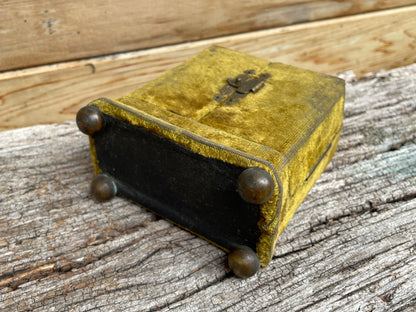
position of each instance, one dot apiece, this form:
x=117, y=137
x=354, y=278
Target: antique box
x=225, y=145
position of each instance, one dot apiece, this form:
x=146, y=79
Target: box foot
x=103, y=187
x=244, y=262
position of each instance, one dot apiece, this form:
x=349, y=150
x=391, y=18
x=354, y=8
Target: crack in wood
x=399, y=199
x=184, y=296
x=358, y=289
x=368, y=206
x=100, y=293
x=141, y=261
x=28, y=275
x=14, y=279
x=289, y=253
x=315, y=302
x=359, y=262
x=388, y=297
x=398, y=145
x=410, y=304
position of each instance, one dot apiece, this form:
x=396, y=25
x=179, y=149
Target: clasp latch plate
x=238, y=87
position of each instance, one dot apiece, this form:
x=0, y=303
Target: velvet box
x=225, y=145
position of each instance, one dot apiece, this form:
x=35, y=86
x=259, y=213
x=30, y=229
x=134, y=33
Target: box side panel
x=302, y=171
x=308, y=162
x=193, y=191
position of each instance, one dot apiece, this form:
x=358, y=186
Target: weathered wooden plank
x=361, y=43
x=350, y=247
x=43, y=32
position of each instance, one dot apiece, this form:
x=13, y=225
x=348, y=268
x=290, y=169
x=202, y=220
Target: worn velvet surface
x=290, y=127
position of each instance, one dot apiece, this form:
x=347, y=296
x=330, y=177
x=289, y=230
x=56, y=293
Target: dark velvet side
x=196, y=192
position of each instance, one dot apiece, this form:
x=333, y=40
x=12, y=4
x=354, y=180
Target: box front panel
x=195, y=192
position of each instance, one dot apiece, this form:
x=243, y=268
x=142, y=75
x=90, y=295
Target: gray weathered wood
x=350, y=247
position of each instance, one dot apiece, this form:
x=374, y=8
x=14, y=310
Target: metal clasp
x=240, y=86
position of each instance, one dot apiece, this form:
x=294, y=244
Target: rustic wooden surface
x=350, y=247
x=46, y=31
x=363, y=43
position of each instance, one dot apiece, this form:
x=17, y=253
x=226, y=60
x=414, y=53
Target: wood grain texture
x=350, y=247
x=364, y=43
x=44, y=32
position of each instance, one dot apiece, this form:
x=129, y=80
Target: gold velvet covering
x=290, y=127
